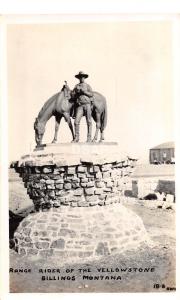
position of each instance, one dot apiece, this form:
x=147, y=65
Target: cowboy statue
x=83, y=95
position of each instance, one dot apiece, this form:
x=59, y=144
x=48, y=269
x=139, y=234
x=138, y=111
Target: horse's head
x=39, y=131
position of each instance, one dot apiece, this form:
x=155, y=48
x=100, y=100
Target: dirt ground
x=127, y=269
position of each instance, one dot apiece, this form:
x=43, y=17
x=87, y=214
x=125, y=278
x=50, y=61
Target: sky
x=130, y=63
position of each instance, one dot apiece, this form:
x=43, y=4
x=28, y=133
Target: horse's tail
x=104, y=117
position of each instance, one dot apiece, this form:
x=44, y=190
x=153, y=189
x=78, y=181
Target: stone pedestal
x=76, y=190
x=75, y=175
x=80, y=232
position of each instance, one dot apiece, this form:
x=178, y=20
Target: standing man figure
x=83, y=95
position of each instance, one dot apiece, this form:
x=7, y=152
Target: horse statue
x=61, y=105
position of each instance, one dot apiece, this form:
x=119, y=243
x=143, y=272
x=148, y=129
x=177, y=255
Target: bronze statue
x=62, y=105
x=83, y=95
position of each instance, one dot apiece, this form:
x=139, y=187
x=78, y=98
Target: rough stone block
x=58, y=193
x=83, y=184
x=83, y=203
x=52, y=194
x=78, y=192
x=46, y=177
x=90, y=175
x=67, y=186
x=59, y=186
x=93, y=203
x=57, y=204
x=93, y=198
x=54, y=228
x=25, y=223
x=28, y=239
x=96, y=169
x=75, y=185
x=101, y=202
x=74, y=204
x=67, y=232
x=64, y=225
x=49, y=181
x=51, y=187
x=102, y=197
x=109, y=184
x=82, y=243
x=106, y=174
x=42, y=180
x=37, y=185
x=75, y=179
x=106, y=167
x=107, y=190
x=46, y=253
x=68, y=179
x=55, y=177
x=42, y=245
x=98, y=191
x=91, y=169
x=59, y=180
x=81, y=175
x=89, y=191
x=81, y=169
x=65, y=202
x=56, y=171
x=87, y=235
x=84, y=180
x=27, y=231
x=98, y=175
x=108, y=201
x=41, y=226
x=43, y=221
x=100, y=184
x=71, y=171
x=29, y=245
x=22, y=251
x=47, y=170
x=32, y=251
x=90, y=184
x=59, y=244
x=83, y=254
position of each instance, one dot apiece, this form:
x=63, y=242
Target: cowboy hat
x=81, y=74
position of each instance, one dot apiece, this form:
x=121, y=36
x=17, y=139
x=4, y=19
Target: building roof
x=164, y=146
x=148, y=170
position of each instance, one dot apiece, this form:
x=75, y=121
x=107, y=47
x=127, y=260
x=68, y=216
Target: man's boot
x=89, y=133
x=76, y=140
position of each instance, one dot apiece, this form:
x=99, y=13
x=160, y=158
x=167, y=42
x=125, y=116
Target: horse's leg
x=98, y=125
x=58, y=120
x=68, y=120
x=102, y=136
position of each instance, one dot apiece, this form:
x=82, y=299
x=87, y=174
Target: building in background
x=150, y=178
x=162, y=154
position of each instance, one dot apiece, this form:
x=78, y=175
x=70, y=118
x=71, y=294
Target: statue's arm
x=89, y=91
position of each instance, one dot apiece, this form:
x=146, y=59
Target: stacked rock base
x=79, y=180
x=80, y=232
x=76, y=190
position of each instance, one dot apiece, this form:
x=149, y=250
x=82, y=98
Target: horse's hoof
x=54, y=142
x=94, y=141
x=75, y=141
